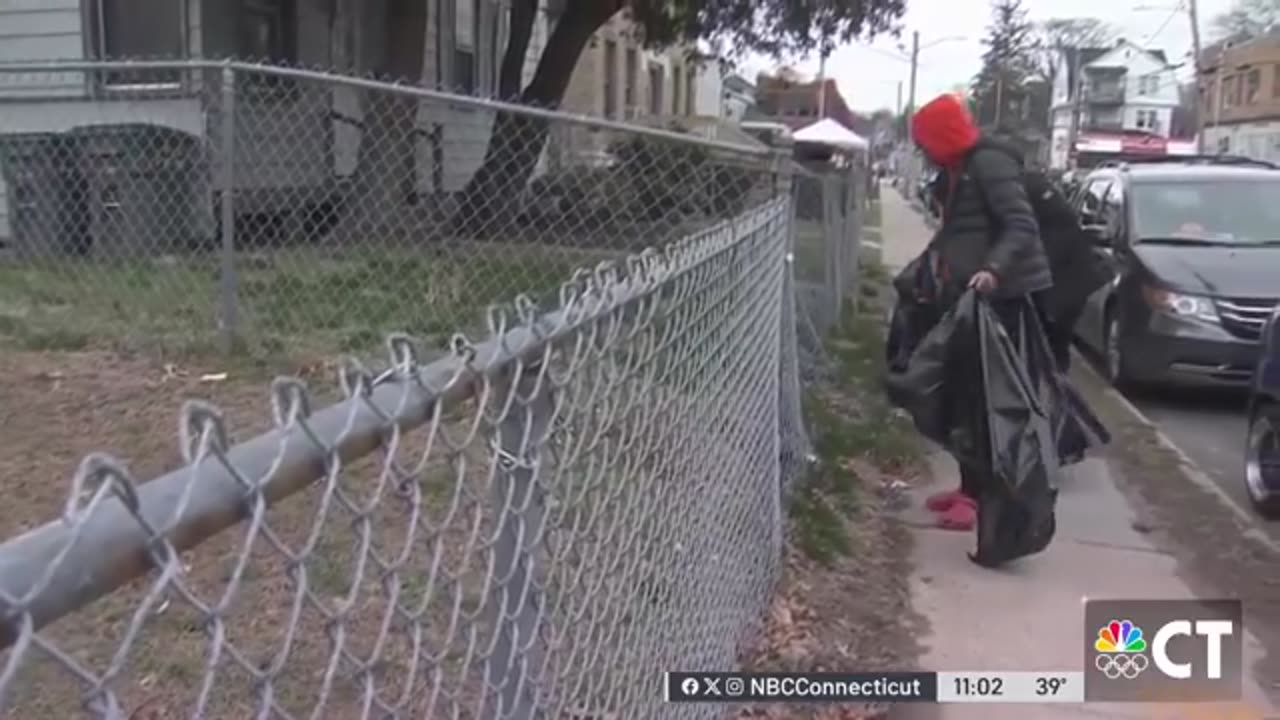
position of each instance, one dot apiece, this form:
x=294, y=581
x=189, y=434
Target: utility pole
x=1194, y=15
x=898, y=108
x=915, y=58
x=1075, y=86
x=822, y=84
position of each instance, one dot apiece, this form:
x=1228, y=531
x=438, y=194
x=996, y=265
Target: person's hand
x=983, y=281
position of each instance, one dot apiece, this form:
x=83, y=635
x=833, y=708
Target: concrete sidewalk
x=1030, y=615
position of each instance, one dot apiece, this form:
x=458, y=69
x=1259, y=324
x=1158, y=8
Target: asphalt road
x=1210, y=429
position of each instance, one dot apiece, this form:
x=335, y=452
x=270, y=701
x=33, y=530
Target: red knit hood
x=944, y=130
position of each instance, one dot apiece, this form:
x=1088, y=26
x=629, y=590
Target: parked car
x=1262, y=445
x=1196, y=244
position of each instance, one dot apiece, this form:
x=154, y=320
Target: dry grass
x=59, y=407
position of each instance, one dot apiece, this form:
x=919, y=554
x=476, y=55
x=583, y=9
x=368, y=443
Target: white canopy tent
x=830, y=132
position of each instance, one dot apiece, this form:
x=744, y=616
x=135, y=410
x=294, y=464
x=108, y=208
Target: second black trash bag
x=1018, y=386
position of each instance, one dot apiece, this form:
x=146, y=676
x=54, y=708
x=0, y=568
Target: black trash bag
x=920, y=369
x=1019, y=386
x=924, y=350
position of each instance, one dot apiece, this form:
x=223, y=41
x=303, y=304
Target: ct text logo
x=1194, y=654
x=1120, y=646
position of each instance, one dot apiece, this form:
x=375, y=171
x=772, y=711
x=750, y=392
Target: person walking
x=988, y=240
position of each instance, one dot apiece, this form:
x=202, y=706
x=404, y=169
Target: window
x=1091, y=201
x=1235, y=212
x=655, y=88
x=138, y=29
x=676, y=86
x=690, y=89
x=267, y=32
x=1113, y=208
x=1147, y=120
x=610, y=73
x=629, y=83
x=1253, y=86
x=1231, y=91
x=464, y=45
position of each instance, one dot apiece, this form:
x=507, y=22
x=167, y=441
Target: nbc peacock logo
x=1120, y=647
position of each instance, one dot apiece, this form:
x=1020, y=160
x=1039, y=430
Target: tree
x=1057, y=34
x=1246, y=19
x=731, y=28
x=1009, y=60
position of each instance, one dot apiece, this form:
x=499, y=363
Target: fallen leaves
x=853, y=616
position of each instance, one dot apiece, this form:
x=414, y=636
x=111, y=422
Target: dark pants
x=1061, y=332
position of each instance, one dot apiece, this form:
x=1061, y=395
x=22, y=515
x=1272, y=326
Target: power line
x=1168, y=19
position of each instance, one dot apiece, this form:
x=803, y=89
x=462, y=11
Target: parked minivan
x=1196, y=243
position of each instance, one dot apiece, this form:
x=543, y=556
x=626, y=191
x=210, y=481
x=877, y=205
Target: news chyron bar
x=890, y=687
x=802, y=687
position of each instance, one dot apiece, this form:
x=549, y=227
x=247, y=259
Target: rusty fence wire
x=569, y=408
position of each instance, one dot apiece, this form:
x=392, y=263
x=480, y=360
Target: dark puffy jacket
x=1078, y=268
x=989, y=223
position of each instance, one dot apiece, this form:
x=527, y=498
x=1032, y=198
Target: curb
x=1190, y=470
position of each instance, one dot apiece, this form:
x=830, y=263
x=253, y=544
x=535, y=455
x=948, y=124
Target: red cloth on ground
x=941, y=502
x=962, y=515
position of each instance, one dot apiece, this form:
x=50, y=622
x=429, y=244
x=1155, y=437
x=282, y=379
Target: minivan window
x=1231, y=212
x=1091, y=200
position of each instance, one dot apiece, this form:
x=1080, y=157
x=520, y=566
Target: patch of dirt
x=1215, y=555
x=844, y=601
x=852, y=615
x=316, y=605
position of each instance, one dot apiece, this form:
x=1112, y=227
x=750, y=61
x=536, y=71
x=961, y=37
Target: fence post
x=514, y=604
x=832, y=229
x=857, y=208
x=228, y=315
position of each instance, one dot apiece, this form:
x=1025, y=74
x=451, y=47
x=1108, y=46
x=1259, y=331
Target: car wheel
x=1262, y=461
x=1112, y=354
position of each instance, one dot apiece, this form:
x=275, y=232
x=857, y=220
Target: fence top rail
x=365, y=83
x=113, y=527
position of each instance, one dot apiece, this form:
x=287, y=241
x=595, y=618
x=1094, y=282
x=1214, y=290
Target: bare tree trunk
x=517, y=140
x=384, y=175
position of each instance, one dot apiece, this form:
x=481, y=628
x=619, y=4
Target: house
x=1240, y=102
x=618, y=79
x=313, y=129
x=739, y=97
x=1123, y=98
x=797, y=103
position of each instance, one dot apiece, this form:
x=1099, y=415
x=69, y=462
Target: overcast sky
x=950, y=40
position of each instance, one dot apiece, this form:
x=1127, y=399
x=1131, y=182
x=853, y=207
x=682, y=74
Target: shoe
x=942, y=502
x=961, y=516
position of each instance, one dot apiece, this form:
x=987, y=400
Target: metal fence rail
x=532, y=525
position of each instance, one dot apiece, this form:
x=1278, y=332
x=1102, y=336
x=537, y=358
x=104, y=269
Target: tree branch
x=570, y=35
x=523, y=15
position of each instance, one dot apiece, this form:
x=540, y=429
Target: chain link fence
x=564, y=472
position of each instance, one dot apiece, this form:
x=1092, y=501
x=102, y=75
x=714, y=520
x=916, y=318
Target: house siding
x=286, y=142
x=283, y=140
x=40, y=30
